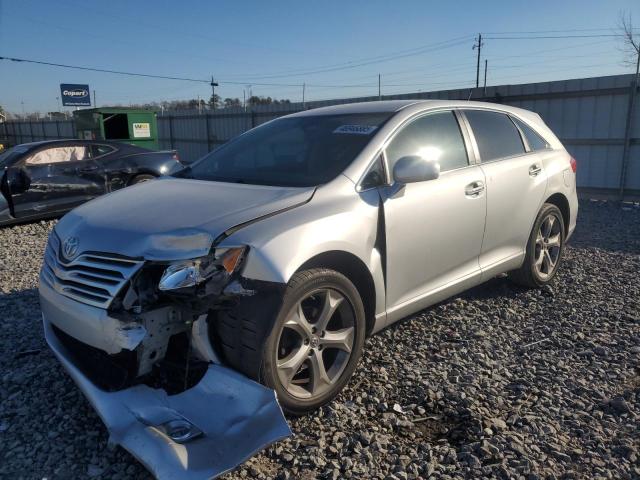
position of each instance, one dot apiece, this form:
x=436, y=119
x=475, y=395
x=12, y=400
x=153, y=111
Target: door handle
x=534, y=170
x=88, y=169
x=474, y=189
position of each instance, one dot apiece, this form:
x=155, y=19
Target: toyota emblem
x=70, y=247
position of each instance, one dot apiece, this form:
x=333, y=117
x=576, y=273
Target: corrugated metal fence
x=589, y=115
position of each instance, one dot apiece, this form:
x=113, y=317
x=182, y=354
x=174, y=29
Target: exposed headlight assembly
x=192, y=272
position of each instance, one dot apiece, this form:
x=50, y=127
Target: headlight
x=192, y=272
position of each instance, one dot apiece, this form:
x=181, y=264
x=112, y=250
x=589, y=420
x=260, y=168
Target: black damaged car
x=46, y=179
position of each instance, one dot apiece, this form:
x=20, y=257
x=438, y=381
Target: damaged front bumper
x=200, y=433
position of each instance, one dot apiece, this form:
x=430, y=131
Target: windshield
x=7, y=156
x=291, y=152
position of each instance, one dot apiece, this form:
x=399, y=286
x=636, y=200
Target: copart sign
x=74, y=95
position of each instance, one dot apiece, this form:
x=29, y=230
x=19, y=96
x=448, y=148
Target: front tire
x=316, y=340
x=544, y=249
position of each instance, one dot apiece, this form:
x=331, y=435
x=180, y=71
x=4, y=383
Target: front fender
x=337, y=220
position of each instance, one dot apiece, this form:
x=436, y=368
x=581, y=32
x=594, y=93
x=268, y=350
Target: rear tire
x=143, y=177
x=544, y=249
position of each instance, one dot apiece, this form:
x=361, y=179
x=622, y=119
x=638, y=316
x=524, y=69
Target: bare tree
x=631, y=41
x=631, y=45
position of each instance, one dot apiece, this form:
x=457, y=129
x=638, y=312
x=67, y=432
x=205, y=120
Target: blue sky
x=337, y=48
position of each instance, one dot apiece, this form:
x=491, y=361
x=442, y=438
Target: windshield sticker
x=356, y=129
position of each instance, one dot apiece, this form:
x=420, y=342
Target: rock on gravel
x=499, y=382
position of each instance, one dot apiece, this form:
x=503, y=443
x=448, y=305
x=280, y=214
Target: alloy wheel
x=548, y=246
x=315, y=343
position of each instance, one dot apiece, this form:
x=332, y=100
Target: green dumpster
x=129, y=125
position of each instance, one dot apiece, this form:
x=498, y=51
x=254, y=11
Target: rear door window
x=68, y=153
x=534, y=139
x=496, y=135
x=435, y=136
x=100, y=150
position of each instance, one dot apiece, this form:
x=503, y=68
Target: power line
x=445, y=69
x=538, y=37
x=368, y=61
x=168, y=77
x=103, y=70
x=139, y=74
x=340, y=66
x=335, y=67
x=439, y=65
x=468, y=68
x=425, y=49
x=551, y=31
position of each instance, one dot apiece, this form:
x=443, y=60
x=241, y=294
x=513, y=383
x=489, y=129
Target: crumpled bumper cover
x=235, y=418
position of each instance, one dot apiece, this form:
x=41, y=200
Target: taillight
x=574, y=165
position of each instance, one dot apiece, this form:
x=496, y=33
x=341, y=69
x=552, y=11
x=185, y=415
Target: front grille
x=93, y=278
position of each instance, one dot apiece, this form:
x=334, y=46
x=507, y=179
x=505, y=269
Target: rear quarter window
x=496, y=135
x=534, y=139
x=100, y=150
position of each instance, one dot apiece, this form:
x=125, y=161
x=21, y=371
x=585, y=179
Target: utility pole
x=628, y=128
x=249, y=95
x=485, y=78
x=304, y=87
x=94, y=99
x=479, y=47
x=379, y=90
x=213, y=92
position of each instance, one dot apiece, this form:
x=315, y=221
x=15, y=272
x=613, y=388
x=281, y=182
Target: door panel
x=58, y=184
x=516, y=183
x=118, y=169
x=5, y=206
x=433, y=228
x=434, y=233
x=515, y=192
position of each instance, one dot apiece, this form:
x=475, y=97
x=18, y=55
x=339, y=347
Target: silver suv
x=276, y=255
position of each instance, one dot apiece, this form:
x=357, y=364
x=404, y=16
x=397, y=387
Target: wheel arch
x=561, y=201
x=139, y=172
x=356, y=271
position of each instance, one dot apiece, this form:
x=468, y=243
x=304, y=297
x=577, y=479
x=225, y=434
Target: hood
x=172, y=219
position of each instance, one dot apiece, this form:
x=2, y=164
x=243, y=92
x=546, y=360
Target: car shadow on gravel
x=498, y=287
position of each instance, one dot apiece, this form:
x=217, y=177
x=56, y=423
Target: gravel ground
x=498, y=382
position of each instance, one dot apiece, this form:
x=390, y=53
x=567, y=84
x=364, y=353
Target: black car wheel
x=544, y=249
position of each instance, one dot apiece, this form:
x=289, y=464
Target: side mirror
x=15, y=181
x=414, y=168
